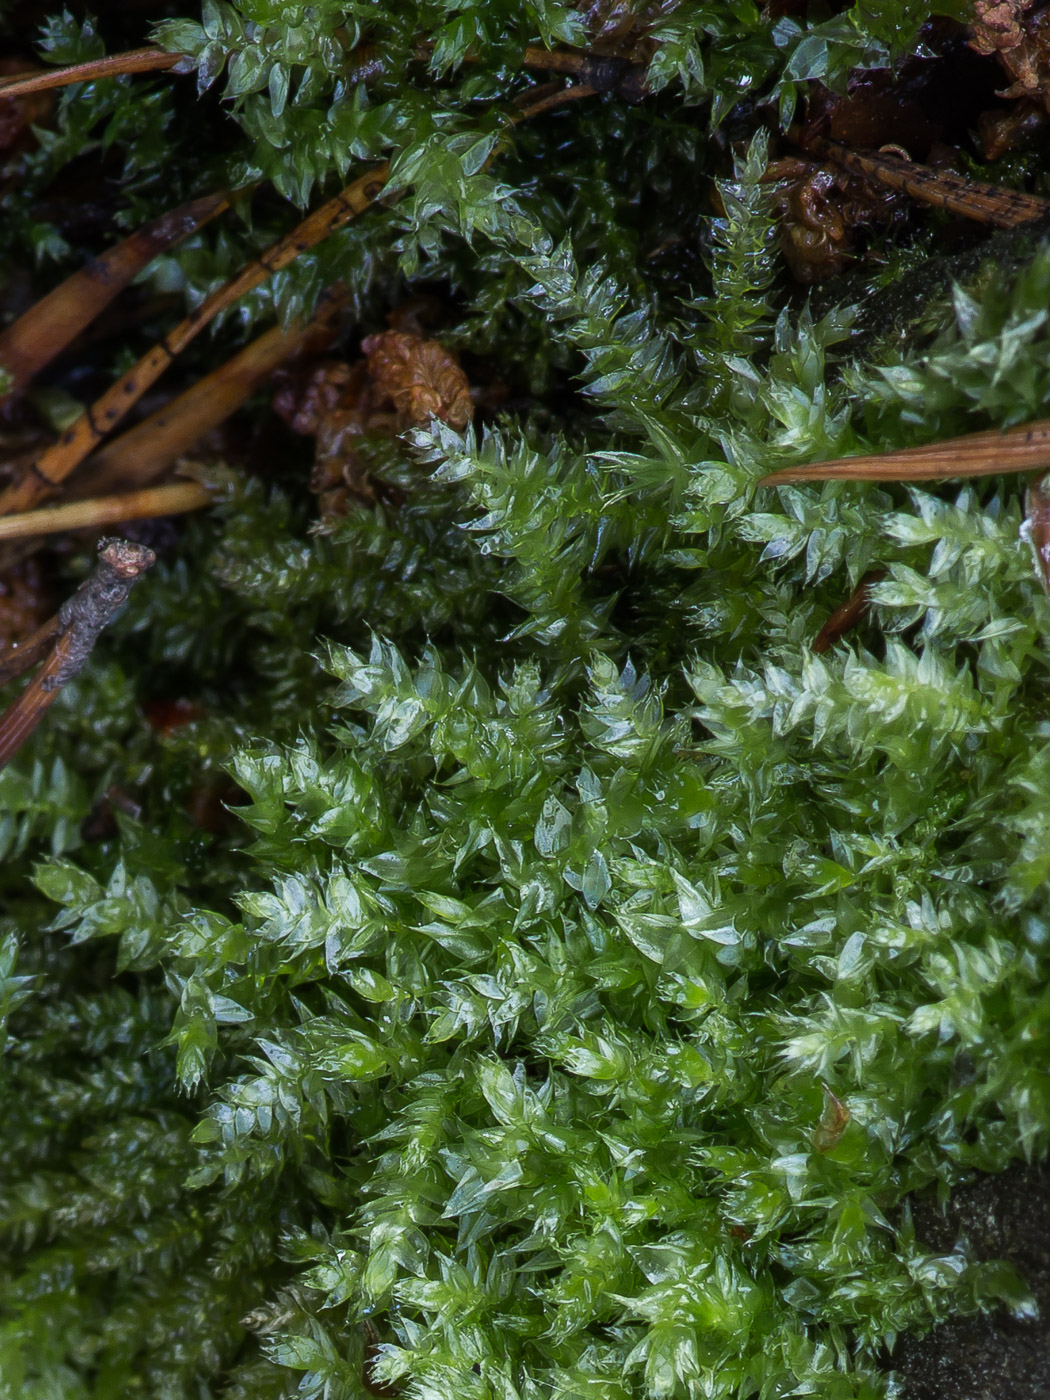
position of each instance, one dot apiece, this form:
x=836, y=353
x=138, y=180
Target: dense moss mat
x=590, y=974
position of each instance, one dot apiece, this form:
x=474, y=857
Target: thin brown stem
x=117, y=64
x=1022, y=449
x=146, y=451
x=19, y=656
x=848, y=614
x=554, y=60
x=173, y=498
x=22, y=716
x=47, y=474
x=49, y=325
x=551, y=97
x=596, y=71
x=55, y=464
x=973, y=199
x=80, y=620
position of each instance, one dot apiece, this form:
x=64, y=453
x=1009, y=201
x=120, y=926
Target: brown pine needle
x=174, y=498
x=78, y=624
x=599, y=73
x=45, y=330
x=549, y=96
x=46, y=475
x=19, y=656
x=847, y=614
x=145, y=452
x=973, y=199
x=56, y=463
x=20, y=718
x=117, y=64
x=992, y=453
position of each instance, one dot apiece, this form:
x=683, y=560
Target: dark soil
x=994, y=1357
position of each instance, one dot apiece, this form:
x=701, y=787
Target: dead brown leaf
x=420, y=377
x=404, y=381
x=1020, y=38
x=834, y=1119
x=997, y=25
x=823, y=212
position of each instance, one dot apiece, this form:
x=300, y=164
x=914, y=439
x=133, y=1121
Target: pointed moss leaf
x=66, y=883
x=553, y=828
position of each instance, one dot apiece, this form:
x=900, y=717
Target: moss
x=588, y=971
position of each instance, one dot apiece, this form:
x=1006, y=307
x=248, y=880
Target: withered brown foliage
x=1019, y=36
x=620, y=28
x=420, y=377
x=404, y=380
x=824, y=211
x=1017, y=32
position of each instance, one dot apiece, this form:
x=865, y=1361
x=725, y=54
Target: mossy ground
x=459, y=1001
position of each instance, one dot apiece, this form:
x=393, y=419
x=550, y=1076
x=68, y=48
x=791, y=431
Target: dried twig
x=114, y=66
x=173, y=498
x=50, y=324
x=547, y=97
x=54, y=465
x=19, y=656
x=600, y=74
x=46, y=475
x=1021, y=449
x=145, y=452
x=78, y=624
x=973, y=199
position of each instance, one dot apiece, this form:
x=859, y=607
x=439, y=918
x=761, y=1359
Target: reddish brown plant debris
x=1022, y=449
x=875, y=110
x=334, y=402
x=1005, y=128
x=1019, y=36
x=620, y=28
x=942, y=187
x=997, y=25
x=824, y=211
x=834, y=1119
x=103, y=416
x=306, y=394
x=405, y=380
x=76, y=628
x=421, y=378
x=848, y=614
